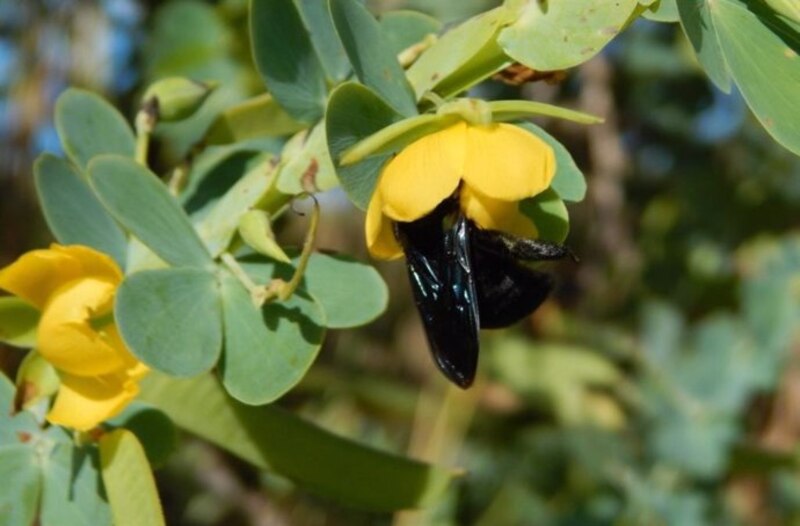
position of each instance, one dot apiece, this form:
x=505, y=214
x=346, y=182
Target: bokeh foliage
x=657, y=386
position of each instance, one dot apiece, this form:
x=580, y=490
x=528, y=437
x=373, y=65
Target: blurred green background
x=659, y=385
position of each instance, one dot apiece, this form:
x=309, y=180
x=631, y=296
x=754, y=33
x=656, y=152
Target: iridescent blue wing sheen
x=437, y=250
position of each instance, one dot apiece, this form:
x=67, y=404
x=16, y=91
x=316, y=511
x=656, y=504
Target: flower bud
x=256, y=231
x=176, y=98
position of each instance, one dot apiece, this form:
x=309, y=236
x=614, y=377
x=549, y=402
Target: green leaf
x=308, y=166
x=285, y=58
x=512, y=110
x=548, y=213
x=154, y=430
x=768, y=74
x=462, y=57
x=260, y=116
x=663, y=11
x=271, y=438
x=256, y=187
x=568, y=182
x=18, y=322
x=73, y=212
x=698, y=26
x=88, y=126
x=267, y=350
x=403, y=29
x=128, y=480
x=317, y=18
x=354, y=113
x=20, y=473
x=787, y=8
x=142, y=204
x=171, y=319
x=560, y=35
x=216, y=169
x=71, y=491
x=371, y=56
x=330, y=279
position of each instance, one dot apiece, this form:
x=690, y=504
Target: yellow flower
x=73, y=287
x=495, y=166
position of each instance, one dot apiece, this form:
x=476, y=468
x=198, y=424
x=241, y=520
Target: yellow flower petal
x=494, y=214
x=83, y=402
x=37, y=274
x=423, y=174
x=66, y=337
x=506, y=162
x=380, y=235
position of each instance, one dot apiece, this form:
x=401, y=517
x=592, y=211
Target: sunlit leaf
x=20, y=472
x=373, y=60
x=90, y=126
x=354, y=113
x=268, y=349
x=18, y=321
x=71, y=491
x=142, y=204
x=286, y=60
x=462, y=57
x=559, y=35
x=699, y=27
x=171, y=319
x=768, y=73
x=330, y=279
x=73, y=213
x=128, y=480
x=271, y=438
x=154, y=430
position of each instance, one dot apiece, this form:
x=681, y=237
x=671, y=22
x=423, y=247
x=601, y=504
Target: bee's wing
x=440, y=271
x=507, y=290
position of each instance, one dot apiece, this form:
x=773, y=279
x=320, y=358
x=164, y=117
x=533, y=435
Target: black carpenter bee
x=466, y=278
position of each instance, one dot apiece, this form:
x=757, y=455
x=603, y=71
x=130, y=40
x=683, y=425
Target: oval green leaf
x=70, y=491
x=128, y=480
x=272, y=438
x=154, y=430
x=286, y=60
x=464, y=56
x=142, y=204
x=20, y=472
x=698, y=26
x=73, y=212
x=331, y=279
x=403, y=29
x=354, y=113
x=373, y=60
x=88, y=126
x=267, y=350
x=549, y=214
x=559, y=35
x=18, y=322
x=171, y=319
x=762, y=51
x=317, y=18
